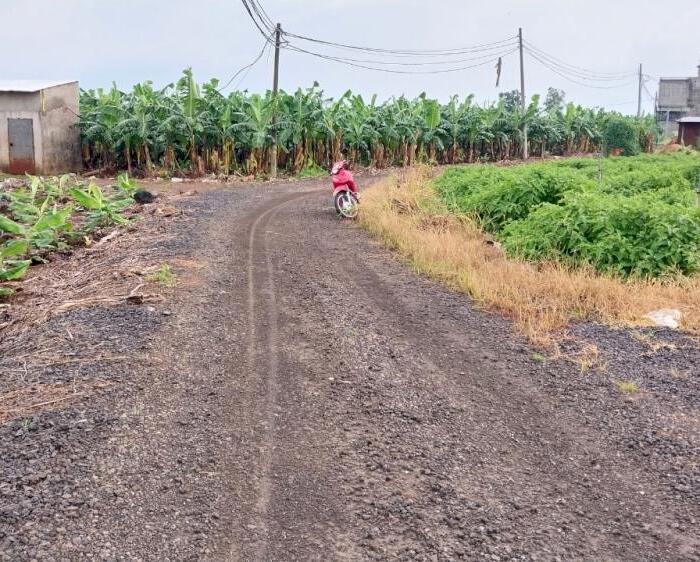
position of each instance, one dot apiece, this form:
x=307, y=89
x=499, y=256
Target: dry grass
x=406, y=214
x=111, y=272
x=29, y=399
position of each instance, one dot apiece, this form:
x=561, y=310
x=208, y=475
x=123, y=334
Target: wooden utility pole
x=522, y=91
x=639, y=97
x=275, y=87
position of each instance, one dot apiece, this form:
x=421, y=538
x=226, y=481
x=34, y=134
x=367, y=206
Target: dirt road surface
x=302, y=395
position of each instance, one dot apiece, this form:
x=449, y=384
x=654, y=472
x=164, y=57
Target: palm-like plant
x=184, y=126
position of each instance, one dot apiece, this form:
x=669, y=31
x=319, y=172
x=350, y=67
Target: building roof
x=30, y=86
x=689, y=120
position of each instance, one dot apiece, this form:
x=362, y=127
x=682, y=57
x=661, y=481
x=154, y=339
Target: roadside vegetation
x=190, y=129
x=39, y=216
x=626, y=216
x=609, y=240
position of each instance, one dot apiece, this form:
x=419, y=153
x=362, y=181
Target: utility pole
x=522, y=91
x=275, y=87
x=639, y=98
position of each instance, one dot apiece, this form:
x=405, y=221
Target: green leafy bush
x=644, y=235
x=619, y=133
x=629, y=216
x=497, y=196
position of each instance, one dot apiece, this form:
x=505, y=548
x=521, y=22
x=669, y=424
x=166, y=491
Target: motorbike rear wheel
x=346, y=204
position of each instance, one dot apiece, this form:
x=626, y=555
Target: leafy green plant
x=127, y=185
x=12, y=269
x=640, y=220
x=37, y=218
x=312, y=170
x=102, y=210
x=187, y=126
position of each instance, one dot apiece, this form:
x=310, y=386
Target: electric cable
x=266, y=45
x=573, y=69
x=575, y=81
x=489, y=56
x=510, y=41
x=388, y=70
x=257, y=23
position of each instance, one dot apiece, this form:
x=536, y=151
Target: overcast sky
x=128, y=41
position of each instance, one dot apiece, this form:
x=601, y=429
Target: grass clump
x=627, y=387
x=312, y=171
x=164, y=276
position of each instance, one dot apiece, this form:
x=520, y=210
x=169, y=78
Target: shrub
x=497, y=196
x=642, y=236
x=619, y=133
x=641, y=219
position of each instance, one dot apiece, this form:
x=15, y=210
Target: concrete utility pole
x=522, y=91
x=275, y=87
x=639, y=98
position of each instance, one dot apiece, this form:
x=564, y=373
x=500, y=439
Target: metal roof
x=689, y=120
x=30, y=86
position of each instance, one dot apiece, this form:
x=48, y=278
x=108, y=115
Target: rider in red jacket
x=341, y=177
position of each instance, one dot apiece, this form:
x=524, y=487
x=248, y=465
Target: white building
x=39, y=127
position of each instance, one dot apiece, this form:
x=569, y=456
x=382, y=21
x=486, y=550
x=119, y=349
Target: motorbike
x=345, y=199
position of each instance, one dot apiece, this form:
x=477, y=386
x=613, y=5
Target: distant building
x=678, y=98
x=689, y=131
x=38, y=127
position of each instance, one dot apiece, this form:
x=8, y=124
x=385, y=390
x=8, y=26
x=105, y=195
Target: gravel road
x=302, y=395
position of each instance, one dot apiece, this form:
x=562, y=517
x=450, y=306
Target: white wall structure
x=39, y=127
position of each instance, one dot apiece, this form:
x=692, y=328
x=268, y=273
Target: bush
x=642, y=219
x=643, y=236
x=621, y=134
x=497, y=196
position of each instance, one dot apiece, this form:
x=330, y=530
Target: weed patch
x=164, y=276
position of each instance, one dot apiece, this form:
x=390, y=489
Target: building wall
x=674, y=94
x=20, y=101
x=694, y=106
x=5, y=141
x=60, y=133
x=56, y=135
x=678, y=97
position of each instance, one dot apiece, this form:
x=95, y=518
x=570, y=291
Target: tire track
x=258, y=341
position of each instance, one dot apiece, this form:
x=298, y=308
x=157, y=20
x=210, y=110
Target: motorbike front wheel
x=346, y=204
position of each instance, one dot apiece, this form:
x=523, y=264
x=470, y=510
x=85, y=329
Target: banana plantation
x=188, y=129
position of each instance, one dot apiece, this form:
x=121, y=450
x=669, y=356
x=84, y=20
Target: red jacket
x=342, y=178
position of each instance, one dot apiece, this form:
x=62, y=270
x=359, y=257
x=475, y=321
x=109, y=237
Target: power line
x=247, y=68
x=262, y=14
x=260, y=24
x=578, y=70
x=574, y=80
x=489, y=56
x=389, y=70
x=510, y=41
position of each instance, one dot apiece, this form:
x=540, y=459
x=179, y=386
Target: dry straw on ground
x=111, y=272
x=405, y=213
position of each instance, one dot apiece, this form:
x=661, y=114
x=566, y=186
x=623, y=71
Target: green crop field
x=196, y=129
x=636, y=216
x=43, y=215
